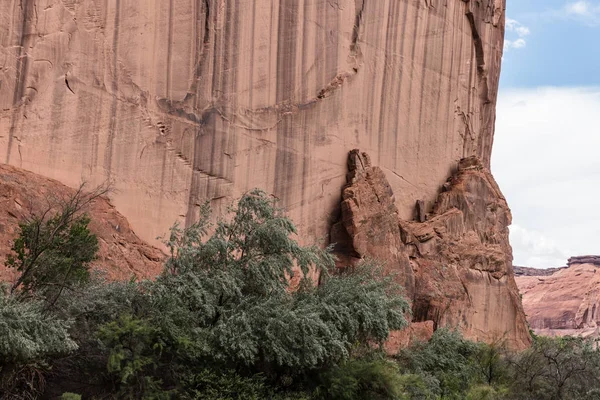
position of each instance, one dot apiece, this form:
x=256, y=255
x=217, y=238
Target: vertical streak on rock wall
x=286, y=44
x=188, y=101
x=22, y=64
x=112, y=129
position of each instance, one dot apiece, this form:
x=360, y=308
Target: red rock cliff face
x=183, y=101
x=121, y=253
x=565, y=302
x=455, y=259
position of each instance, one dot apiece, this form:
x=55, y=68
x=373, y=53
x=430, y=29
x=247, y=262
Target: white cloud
x=535, y=249
x=584, y=11
x=546, y=160
x=514, y=44
x=511, y=23
x=515, y=26
x=520, y=30
x=578, y=8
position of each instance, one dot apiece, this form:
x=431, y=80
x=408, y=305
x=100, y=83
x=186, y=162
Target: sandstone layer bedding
x=566, y=302
x=122, y=254
x=183, y=101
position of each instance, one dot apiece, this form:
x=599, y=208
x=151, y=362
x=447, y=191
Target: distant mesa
x=575, y=260
x=595, y=260
x=529, y=271
x=562, y=301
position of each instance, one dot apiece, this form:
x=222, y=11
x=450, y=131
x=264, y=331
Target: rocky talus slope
x=121, y=255
x=181, y=101
x=455, y=260
x=565, y=302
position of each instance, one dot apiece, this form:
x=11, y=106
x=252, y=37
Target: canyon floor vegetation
x=221, y=322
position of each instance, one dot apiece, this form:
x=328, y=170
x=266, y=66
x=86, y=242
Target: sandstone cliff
x=566, y=302
x=183, y=101
x=455, y=261
x=121, y=254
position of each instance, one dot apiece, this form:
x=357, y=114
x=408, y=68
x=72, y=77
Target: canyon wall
x=565, y=301
x=183, y=101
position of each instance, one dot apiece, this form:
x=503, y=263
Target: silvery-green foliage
x=363, y=302
x=97, y=302
x=254, y=249
x=315, y=325
x=229, y=296
x=447, y=359
x=27, y=334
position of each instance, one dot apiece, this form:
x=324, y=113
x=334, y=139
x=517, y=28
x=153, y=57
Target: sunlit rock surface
x=121, y=254
x=456, y=265
x=183, y=101
x=565, y=302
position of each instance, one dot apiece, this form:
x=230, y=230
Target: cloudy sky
x=546, y=154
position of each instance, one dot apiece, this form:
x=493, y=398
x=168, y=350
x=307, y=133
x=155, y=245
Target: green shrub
x=227, y=298
x=223, y=385
x=51, y=256
x=362, y=379
x=27, y=339
x=53, y=250
x=447, y=357
x=556, y=368
x=486, y=392
x=419, y=387
x=26, y=334
x=135, y=350
x=70, y=396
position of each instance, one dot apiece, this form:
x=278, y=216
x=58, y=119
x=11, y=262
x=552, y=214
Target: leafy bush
x=490, y=364
x=26, y=334
x=135, y=348
x=556, y=368
x=53, y=250
x=486, y=392
x=224, y=303
x=362, y=379
x=448, y=357
x=27, y=338
x=209, y=384
x=50, y=255
x=228, y=298
x=419, y=387
x=70, y=396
